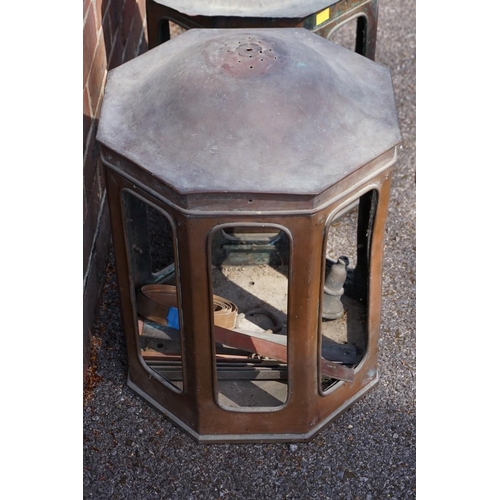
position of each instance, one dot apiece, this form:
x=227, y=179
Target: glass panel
x=250, y=286
x=344, y=333
x=161, y=241
x=151, y=243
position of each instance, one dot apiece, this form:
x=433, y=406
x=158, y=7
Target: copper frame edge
x=252, y=438
x=377, y=170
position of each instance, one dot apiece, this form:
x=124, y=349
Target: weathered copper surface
x=211, y=143
x=249, y=8
x=220, y=111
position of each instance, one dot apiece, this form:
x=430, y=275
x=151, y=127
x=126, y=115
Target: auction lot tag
x=322, y=16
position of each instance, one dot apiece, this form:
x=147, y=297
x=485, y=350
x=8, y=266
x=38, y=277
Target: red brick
x=97, y=75
x=99, y=105
x=108, y=36
x=133, y=40
x=116, y=57
x=85, y=206
x=87, y=116
x=115, y=15
x=130, y=11
x=107, y=13
x=89, y=43
x=111, y=17
x=112, y=26
x=86, y=4
x=136, y=31
x=143, y=44
x=96, y=238
x=90, y=295
x=104, y=5
x=90, y=224
x=141, y=7
x=95, y=280
x=100, y=178
x=97, y=12
x=92, y=280
x=129, y=50
x=103, y=238
x=90, y=161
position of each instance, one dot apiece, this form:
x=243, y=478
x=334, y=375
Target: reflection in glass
x=344, y=331
x=250, y=286
x=151, y=243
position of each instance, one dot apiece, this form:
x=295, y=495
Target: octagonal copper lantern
x=248, y=178
x=323, y=17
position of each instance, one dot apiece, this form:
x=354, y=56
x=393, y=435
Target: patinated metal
x=279, y=148
x=219, y=111
x=248, y=8
x=319, y=16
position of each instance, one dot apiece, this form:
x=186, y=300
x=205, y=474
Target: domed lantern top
x=255, y=113
x=230, y=155
x=249, y=8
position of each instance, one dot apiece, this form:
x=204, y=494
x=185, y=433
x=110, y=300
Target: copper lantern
x=248, y=175
x=323, y=17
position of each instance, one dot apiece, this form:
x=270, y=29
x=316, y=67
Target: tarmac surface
x=369, y=452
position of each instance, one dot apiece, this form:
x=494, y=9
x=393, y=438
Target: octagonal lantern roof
x=248, y=8
x=249, y=111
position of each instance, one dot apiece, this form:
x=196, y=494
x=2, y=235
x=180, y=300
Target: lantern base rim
x=251, y=438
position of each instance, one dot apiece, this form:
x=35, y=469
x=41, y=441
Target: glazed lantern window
x=248, y=176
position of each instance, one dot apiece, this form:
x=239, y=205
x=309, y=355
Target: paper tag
x=322, y=16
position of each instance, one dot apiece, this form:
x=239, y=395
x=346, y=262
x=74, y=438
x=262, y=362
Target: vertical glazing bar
x=370, y=35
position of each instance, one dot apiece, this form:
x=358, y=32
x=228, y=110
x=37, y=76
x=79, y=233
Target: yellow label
x=322, y=16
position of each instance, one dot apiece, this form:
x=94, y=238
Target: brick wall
x=114, y=31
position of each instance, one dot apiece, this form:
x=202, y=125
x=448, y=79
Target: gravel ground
x=132, y=452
